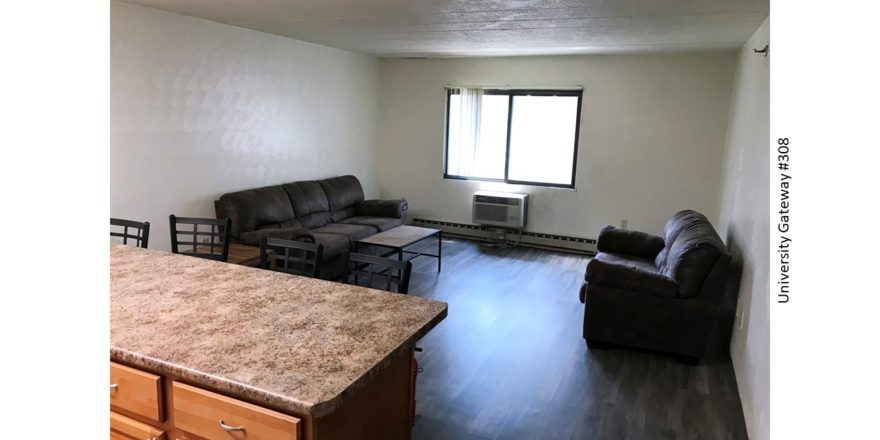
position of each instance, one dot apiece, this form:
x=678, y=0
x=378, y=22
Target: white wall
x=200, y=108
x=745, y=228
x=652, y=134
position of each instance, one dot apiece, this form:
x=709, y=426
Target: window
x=516, y=136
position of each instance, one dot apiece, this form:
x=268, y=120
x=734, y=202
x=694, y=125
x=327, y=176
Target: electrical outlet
x=624, y=223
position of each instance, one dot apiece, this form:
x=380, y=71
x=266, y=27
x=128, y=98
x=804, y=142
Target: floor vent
x=532, y=239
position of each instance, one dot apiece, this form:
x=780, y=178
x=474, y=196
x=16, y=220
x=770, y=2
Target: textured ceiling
x=435, y=28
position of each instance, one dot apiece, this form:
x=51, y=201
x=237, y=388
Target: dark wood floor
x=509, y=361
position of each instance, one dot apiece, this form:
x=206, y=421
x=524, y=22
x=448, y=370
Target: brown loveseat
x=656, y=293
x=331, y=212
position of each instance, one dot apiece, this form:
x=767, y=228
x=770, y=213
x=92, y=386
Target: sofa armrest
x=630, y=278
x=382, y=208
x=253, y=238
x=625, y=241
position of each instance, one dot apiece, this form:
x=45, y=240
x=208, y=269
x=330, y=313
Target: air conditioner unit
x=506, y=210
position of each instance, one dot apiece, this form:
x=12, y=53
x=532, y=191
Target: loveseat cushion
x=693, y=248
x=631, y=278
x=309, y=203
x=252, y=208
x=353, y=232
x=380, y=223
x=689, y=262
x=680, y=221
x=639, y=263
x=382, y=208
x=627, y=241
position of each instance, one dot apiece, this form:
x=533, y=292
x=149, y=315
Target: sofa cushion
x=253, y=238
x=342, y=192
x=292, y=223
x=380, y=223
x=342, y=214
x=316, y=220
x=334, y=244
x=309, y=203
x=382, y=208
x=307, y=197
x=252, y=208
x=353, y=232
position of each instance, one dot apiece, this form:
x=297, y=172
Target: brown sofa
x=331, y=212
x=656, y=293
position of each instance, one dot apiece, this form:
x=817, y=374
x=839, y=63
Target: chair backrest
x=210, y=242
x=139, y=232
x=290, y=256
x=372, y=268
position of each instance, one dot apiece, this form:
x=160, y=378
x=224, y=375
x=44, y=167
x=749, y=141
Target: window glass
x=542, y=133
x=531, y=141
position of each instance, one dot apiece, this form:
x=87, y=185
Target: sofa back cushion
x=253, y=208
x=309, y=203
x=287, y=224
x=343, y=193
x=692, y=249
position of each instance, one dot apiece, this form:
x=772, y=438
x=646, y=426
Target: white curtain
x=465, y=132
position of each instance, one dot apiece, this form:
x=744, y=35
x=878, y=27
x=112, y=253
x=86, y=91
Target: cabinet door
x=136, y=391
x=126, y=428
x=214, y=416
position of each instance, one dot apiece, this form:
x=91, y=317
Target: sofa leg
x=597, y=345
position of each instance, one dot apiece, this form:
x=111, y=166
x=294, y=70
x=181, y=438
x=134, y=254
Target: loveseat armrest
x=625, y=241
x=252, y=238
x=630, y=278
x=382, y=208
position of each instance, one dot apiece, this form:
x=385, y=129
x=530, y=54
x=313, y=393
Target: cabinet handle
x=231, y=428
x=114, y=386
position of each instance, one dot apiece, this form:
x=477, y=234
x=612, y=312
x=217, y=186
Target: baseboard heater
x=531, y=239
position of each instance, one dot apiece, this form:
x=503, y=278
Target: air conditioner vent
x=507, y=210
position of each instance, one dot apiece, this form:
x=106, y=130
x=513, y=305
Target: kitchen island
x=325, y=359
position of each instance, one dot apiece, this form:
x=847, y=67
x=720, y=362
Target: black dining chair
x=211, y=242
x=138, y=232
x=290, y=256
x=377, y=271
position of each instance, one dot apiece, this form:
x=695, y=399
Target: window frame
x=579, y=93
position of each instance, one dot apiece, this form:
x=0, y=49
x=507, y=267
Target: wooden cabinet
x=126, y=428
x=139, y=400
x=162, y=407
x=214, y=416
x=135, y=391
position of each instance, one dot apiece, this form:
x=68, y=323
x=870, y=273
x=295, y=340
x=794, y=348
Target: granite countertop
x=293, y=343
